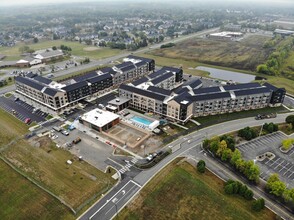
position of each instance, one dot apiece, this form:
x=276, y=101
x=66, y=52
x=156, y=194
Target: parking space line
x=290, y=174
x=288, y=170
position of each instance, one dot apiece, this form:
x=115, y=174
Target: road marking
x=118, y=200
x=107, y=201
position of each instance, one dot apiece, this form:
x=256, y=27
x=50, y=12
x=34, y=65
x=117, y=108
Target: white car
x=189, y=141
x=150, y=157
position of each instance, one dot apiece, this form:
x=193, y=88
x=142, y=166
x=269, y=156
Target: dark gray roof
x=75, y=86
x=99, y=78
x=173, y=69
x=272, y=87
x=157, y=74
x=31, y=75
x=50, y=91
x=193, y=83
x=124, y=64
x=180, y=90
x=29, y=82
x=140, y=58
x=207, y=90
x=183, y=97
x=159, y=90
x=42, y=79
x=203, y=97
x=142, y=63
x=162, y=78
x=246, y=92
x=127, y=68
x=140, y=81
x=85, y=76
x=242, y=86
x=143, y=92
x=108, y=70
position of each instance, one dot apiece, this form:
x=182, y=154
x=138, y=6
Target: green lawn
x=20, y=199
x=180, y=192
x=78, y=49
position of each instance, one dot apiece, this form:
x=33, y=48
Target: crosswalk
x=128, y=166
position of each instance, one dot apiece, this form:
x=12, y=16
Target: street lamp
x=116, y=210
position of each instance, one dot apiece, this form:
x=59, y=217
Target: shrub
x=258, y=205
x=201, y=166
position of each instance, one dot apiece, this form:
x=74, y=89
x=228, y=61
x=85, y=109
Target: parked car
x=65, y=132
x=57, y=128
x=77, y=140
x=27, y=120
x=150, y=157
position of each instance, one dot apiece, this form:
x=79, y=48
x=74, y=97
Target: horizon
x=8, y=3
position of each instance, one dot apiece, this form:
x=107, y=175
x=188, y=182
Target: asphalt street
x=111, y=203
x=184, y=144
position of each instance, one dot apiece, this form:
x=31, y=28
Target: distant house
x=27, y=62
x=49, y=55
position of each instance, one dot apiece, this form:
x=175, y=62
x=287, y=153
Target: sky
x=28, y=2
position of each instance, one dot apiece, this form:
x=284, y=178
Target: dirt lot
x=127, y=134
x=246, y=54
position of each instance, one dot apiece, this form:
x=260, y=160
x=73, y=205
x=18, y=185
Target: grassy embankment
x=46, y=165
x=180, y=192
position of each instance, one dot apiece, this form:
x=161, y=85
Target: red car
x=27, y=120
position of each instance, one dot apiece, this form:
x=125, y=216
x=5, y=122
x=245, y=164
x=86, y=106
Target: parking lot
x=281, y=163
x=21, y=110
x=92, y=150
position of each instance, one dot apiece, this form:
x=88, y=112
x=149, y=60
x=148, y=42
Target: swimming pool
x=141, y=120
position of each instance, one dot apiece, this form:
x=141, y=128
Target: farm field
x=180, y=192
x=246, y=54
x=78, y=49
x=76, y=184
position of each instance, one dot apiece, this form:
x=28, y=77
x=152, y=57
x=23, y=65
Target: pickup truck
x=264, y=116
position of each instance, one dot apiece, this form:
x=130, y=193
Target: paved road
x=184, y=144
x=110, y=205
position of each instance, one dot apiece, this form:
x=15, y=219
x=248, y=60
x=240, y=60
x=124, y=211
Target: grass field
x=186, y=64
x=46, y=164
x=20, y=199
x=246, y=54
x=180, y=192
x=13, y=53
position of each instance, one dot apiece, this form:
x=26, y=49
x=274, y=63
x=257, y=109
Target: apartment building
x=54, y=98
x=189, y=99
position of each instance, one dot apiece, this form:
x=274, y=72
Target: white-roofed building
x=99, y=120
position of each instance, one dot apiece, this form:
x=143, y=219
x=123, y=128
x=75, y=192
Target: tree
x=206, y=143
x=54, y=48
x=236, y=155
x=36, y=40
x=247, y=133
x=230, y=141
x=278, y=188
x=275, y=186
x=201, y=166
x=248, y=194
x=214, y=145
x=221, y=148
x=229, y=189
x=290, y=120
x=258, y=205
x=240, y=165
x=226, y=155
x=286, y=144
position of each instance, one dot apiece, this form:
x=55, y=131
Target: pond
x=227, y=75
